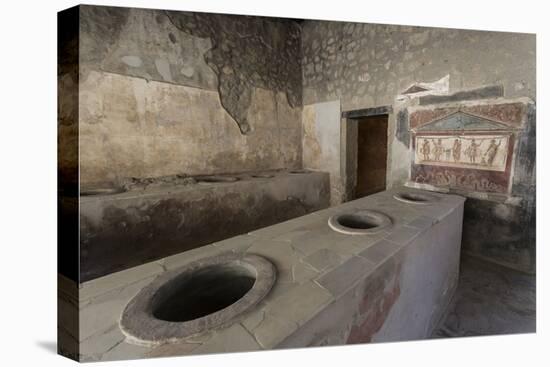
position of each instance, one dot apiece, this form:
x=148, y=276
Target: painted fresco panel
x=480, y=152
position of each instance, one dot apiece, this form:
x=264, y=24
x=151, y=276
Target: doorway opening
x=372, y=151
x=364, y=153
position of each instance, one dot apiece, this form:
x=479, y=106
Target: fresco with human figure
x=485, y=152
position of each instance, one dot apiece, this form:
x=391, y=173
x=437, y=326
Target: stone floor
x=490, y=300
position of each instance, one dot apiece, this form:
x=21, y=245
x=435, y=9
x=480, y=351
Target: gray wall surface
x=367, y=66
x=165, y=92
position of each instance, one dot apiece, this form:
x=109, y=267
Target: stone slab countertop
x=164, y=186
x=315, y=267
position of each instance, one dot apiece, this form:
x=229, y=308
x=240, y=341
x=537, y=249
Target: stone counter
x=331, y=288
x=165, y=217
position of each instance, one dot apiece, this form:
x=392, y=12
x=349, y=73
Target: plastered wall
x=165, y=93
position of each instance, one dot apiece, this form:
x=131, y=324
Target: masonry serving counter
x=331, y=288
x=155, y=218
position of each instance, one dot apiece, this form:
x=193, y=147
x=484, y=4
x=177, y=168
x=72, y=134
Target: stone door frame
x=348, y=143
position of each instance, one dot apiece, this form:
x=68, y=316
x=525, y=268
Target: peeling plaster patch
x=149, y=36
x=439, y=87
x=311, y=147
x=187, y=71
x=519, y=86
x=247, y=53
x=133, y=61
x=163, y=68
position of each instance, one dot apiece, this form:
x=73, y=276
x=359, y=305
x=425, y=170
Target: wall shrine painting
x=485, y=152
x=464, y=151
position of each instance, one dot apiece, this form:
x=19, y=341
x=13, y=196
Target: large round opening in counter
x=415, y=198
x=203, y=292
x=216, y=179
x=299, y=171
x=203, y=295
x=96, y=191
x=359, y=222
x=262, y=175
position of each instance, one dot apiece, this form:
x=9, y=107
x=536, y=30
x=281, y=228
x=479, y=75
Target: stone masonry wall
x=247, y=52
x=369, y=65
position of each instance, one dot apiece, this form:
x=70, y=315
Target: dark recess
x=204, y=292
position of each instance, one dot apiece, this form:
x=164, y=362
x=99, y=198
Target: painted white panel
x=484, y=152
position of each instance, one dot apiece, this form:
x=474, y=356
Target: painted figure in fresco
x=457, y=150
x=438, y=150
x=425, y=149
x=473, y=151
x=492, y=151
x=451, y=178
x=447, y=154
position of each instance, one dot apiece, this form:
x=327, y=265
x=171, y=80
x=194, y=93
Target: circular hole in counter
x=299, y=171
x=415, y=197
x=96, y=191
x=204, y=292
x=202, y=295
x=263, y=175
x=359, y=222
x=216, y=179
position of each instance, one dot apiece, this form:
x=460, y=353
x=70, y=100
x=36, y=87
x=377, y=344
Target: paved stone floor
x=490, y=300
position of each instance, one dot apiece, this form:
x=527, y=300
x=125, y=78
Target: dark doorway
x=372, y=150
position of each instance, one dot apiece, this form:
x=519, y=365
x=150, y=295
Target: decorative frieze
x=467, y=147
x=481, y=152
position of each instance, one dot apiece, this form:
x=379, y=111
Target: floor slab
x=490, y=300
